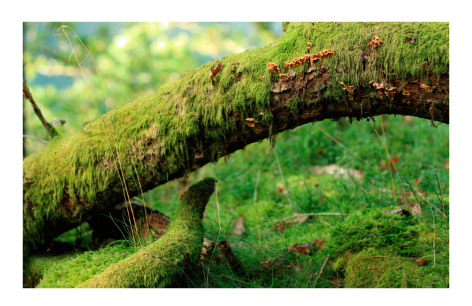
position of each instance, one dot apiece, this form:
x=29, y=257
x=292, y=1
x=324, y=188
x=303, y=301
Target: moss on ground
x=75, y=269
x=355, y=243
x=83, y=165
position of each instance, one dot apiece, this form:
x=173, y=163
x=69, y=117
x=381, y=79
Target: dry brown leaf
x=299, y=218
x=266, y=264
x=446, y=164
x=292, y=249
x=337, y=172
x=319, y=243
x=408, y=119
x=415, y=209
x=239, y=228
x=335, y=281
x=281, y=189
x=303, y=248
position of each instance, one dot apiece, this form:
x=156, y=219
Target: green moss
x=36, y=266
x=190, y=109
x=159, y=263
x=75, y=269
x=365, y=270
x=354, y=243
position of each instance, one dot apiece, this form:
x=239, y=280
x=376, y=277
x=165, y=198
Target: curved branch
x=156, y=265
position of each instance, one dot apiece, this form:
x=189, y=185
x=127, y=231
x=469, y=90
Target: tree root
x=159, y=263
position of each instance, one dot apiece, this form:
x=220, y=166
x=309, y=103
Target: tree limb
x=156, y=265
x=27, y=94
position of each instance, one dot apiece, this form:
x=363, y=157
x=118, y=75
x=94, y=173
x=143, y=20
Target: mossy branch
x=158, y=264
x=189, y=123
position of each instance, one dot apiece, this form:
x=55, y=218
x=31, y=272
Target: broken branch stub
x=234, y=262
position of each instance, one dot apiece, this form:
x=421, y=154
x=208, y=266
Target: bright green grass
x=298, y=151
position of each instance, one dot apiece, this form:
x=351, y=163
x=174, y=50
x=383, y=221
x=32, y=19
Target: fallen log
x=190, y=122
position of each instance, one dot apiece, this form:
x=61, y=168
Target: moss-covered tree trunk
x=159, y=263
x=373, y=68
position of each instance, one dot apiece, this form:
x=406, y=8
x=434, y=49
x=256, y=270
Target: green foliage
x=73, y=271
x=365, y=270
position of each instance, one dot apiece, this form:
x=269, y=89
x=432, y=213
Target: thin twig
x=27, y=94
x=333, y=139
x=311, y=214
x=283, y=178
x=388, y=157
x=434, y=237
x=322, y=268
x=395, y=257
x=236, y=280
x=36, y=138
x=257, y=183
x=440, y=189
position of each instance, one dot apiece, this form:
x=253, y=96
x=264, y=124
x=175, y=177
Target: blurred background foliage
x=133, y=60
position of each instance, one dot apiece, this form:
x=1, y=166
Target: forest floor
x=324, y=190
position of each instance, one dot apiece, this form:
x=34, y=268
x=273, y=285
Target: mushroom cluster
x=376, y=42
x=385, y=90
x=309, y=57
x=273, y=67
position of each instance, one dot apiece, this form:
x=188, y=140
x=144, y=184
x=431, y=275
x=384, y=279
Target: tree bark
x=196, y=119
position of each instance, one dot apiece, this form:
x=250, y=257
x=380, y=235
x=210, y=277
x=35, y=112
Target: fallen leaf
x=319, y=243
x=299, y=218
x=411, y=40
x=446, y=164
x=337, y=172
x=266, y=264
x=408, y=119
x=393, y=161
x=335, y=281
x=297, y=265
x=215, y=72
x=292, y=249
x=239, y=228
x=303, y=248
x=421, y=262
x=417, y=181
x=281, y=189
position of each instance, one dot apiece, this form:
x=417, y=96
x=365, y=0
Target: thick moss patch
x=70, y=272
x=377, y=250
